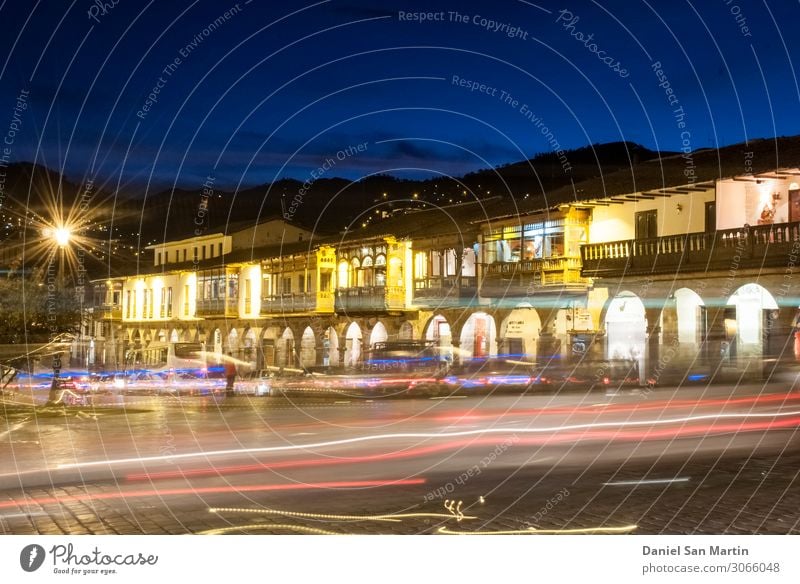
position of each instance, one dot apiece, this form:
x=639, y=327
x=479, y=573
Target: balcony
x=304, y=302
x=447, y=291
x=762, y=246
x=369, y=299
x=218, y=307
x=526, y=277
x=108, y=311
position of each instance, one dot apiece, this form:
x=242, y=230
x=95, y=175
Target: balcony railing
x=526, y=276
x=109, y=311
x=444, y=290
x=218, y=307
x=369, y=299
x=282, y=303
x=757, y=247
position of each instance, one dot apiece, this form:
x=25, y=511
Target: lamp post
x=60, y=236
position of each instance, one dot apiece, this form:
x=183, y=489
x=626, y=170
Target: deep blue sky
x=258, y=99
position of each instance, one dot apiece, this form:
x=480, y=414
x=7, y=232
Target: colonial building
x=690, y=280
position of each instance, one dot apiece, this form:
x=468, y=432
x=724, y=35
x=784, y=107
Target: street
x=687, y=460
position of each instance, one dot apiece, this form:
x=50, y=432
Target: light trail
x=389, y=517
x=263, y=526
x=435, y=435
x=533, y=531
x=647, y=482
x=208, y=491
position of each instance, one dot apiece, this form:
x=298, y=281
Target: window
x=468, y=263
x=344, y=275
x=367, y=276
x=266, y=285
x=184, y=254
x=380, y=270
x=195, y=253
x=646, y=224
x=308, y=283
x=185, y=299
x=162, y=309
x=204, y=251
x=516, y=243
x=145, y=303
x=158, y=258
x=287, y=285
x=325, y=281
x=301, y=281
x=233, y=285
x=421, y=265
x=356, y=276
x=128, y=304
x=219, y=248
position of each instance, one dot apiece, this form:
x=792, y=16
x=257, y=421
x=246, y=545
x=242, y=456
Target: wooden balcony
x=526, y=277
x=218, y=307
x=296, y=303
x=369, y=299
x=109, y=311
x=449, y=291
x=762, y=246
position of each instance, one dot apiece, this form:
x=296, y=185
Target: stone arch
x=439, y=332
x=683, y=318
x=269, y=340
x=216, y=343
x=330, y=347
x=748, y=320
x=174, y=336
x=308, y=348
x=353, y=342
x=478, y=337
x=285, y=349
x=406, y=331
x=626, y=330
x=250, y=348
x=378, y=334
x=519, y=333
x=233, y=342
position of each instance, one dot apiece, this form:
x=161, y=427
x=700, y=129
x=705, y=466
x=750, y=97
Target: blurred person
x=230, y=376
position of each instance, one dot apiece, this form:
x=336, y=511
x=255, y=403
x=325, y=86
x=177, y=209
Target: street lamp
x=62, y=236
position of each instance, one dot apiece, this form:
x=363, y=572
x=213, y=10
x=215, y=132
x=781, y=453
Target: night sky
x=274, y=89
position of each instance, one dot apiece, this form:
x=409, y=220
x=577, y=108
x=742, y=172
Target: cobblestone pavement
x=731, y=496
x=728, y=482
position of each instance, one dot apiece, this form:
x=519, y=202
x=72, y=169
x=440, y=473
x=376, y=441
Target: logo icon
x=31, y=557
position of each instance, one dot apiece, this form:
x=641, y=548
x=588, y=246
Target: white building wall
x=617, y=222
